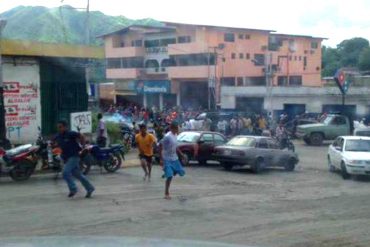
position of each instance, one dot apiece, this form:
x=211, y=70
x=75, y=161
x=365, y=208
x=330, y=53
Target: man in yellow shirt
x=145, y=142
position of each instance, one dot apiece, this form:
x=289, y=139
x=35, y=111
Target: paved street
x=308, y=207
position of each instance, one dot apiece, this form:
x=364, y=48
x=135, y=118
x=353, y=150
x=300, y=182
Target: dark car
x=199, y=145
x=257, y=152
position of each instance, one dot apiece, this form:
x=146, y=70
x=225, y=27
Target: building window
x=194, y=59
x=247, y=36
x=233, y=55
x=241, y=55
x=255, y=81
x=113, y=63
x=228, y=81
x=259, y=59
x=295, y=58
x=290, y=58
x=314, y=45
x=241, y=36
x=247, y=56
x=300, y=58
x=166, y=42
x=295, y=80
x=229, y=37
x=183, y=39
x=282, y=81
x=239, y=81
x=137, y=43
x=304, y=62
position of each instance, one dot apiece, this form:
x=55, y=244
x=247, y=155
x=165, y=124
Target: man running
x=69, y=142
x=145, y=142
x=169, y=159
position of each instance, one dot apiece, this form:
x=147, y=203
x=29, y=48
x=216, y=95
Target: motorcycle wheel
x=113, y=163
x=22, y=170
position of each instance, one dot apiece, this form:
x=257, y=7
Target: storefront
x=155, y=93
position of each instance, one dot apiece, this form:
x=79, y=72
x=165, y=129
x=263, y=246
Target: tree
x=350, y=50
x=330, y=61
x=364, y=60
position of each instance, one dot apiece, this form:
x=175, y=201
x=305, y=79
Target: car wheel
x=344, y=173
x=316, y=139
x=307, y=141
x=258, y=165
x=330, y=165
x=227, y=166
x=185, y=161
x=290, y=166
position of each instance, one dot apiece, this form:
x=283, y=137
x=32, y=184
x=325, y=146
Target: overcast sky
x=334, y=19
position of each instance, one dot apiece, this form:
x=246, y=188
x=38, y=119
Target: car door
x=276, y=155
x=264, y=151
x=337, y=154
x=338, y=127
x=206, y=146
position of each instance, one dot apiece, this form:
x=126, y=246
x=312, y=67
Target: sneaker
x=89, y=193
x=72, y=194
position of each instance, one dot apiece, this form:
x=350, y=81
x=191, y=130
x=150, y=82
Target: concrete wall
x=22, y=99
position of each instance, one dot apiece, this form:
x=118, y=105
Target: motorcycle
x=110, y=158
x=19, y=163
x=50, y=156
x=286, y=143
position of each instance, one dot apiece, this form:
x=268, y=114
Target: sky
x=333, y=19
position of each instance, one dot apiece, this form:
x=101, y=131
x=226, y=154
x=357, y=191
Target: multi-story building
x=212, y=66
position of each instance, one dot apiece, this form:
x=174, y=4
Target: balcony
x=187, y=48
x=122, y=73
x=188, y=72
x=155, y=71
x=124, y=52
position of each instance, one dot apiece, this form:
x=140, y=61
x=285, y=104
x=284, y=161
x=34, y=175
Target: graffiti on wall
x=20, y=100
x=81, y=122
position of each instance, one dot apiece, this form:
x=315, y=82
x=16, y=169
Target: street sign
x=343, y=80
x=81, y=122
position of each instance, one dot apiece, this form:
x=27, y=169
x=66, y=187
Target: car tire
x=185, y=161
x=343, y=171
x=330, y=165
x=307, y=141
x=316, y=139
x=258, y=165
x=227, y=166
x=290, y=166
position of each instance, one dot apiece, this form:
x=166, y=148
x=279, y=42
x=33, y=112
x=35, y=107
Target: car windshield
x=358, y=145
x=188, y=137
x=242, y=141
x=327, y=120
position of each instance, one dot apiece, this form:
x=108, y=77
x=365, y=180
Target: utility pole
x=3, y=141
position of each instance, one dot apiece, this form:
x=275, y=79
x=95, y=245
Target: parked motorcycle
x=19, y=163
x=286, y=143
x=110, y=158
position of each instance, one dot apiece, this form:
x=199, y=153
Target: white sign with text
x=81, y=122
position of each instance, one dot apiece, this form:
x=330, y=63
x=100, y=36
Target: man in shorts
x=145, y=142
x=169, y=158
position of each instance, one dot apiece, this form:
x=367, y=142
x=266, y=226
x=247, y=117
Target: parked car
x=329, y=128
x=257, y=152
x=199, y=145
x=362, y=131
x=350, y=155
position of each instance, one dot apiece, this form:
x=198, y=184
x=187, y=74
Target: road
x=308, y=207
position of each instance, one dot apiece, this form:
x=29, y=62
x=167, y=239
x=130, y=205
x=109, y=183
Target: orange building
x=210, y=66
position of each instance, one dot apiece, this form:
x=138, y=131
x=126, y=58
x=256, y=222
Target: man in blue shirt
x=69, y=142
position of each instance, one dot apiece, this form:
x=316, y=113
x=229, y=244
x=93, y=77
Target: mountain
x=62, y=25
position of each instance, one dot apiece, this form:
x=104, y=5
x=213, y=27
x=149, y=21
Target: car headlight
x=355, y=162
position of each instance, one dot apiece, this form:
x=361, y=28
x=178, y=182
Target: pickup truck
x=329, y=128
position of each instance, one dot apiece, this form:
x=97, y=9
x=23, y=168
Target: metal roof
x=143, y=27
x=40, y=49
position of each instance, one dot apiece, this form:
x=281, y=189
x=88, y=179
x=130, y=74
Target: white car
x=350, y=155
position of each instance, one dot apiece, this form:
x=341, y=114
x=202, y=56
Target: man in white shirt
x=101, y=132
x=169, y=158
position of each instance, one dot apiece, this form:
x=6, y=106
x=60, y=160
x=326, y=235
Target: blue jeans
x=72, y=168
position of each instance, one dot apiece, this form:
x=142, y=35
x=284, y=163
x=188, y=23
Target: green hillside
x=61, y=25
